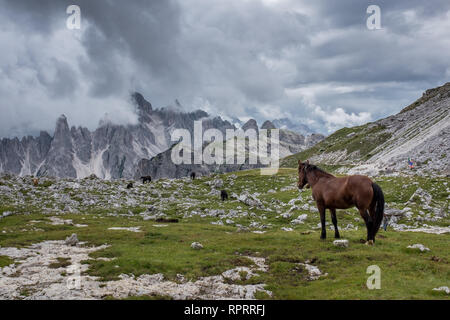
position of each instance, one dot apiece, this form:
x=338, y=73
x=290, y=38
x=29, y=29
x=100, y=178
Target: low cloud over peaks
x=314, y=62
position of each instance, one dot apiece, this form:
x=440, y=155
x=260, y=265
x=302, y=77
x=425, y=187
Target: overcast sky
x=315, y=62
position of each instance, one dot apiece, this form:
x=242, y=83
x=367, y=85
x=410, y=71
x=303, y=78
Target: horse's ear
x=307, y=161
x=300, y=162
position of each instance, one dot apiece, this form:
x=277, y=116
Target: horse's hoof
x=369, y=243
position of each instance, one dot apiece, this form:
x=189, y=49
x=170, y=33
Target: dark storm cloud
x=312, y=61
x=146, y=31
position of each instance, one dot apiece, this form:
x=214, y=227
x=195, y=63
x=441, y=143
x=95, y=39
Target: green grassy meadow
x=405, y=273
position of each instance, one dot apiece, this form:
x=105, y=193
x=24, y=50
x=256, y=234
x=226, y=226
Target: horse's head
x=302, y=180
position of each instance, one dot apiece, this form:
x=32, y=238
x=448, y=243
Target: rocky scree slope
x=162, y=166
x=420, y=131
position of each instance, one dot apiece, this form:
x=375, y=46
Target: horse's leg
x=334, y=219
x=321, y=208
x=369, y=224
x=372, y=215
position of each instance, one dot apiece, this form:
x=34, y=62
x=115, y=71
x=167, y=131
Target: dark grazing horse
x=146, y=179
x=333, y=193
x=193, y=175
x=224, y=195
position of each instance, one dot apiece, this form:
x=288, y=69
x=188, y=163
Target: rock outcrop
x=420, y=132
x=163, y=166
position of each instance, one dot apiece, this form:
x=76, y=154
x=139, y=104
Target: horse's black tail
x=378, y=200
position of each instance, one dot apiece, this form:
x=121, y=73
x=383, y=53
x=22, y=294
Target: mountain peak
x=61, y=124
x=144, y=108
x=287, y=124
x=250, y=124
x=268, y=125
x=441, y=92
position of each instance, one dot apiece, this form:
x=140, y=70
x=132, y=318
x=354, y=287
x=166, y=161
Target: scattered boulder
x=7, y=213
x=250, y=200
x=395, y=212
x=154, y=216
x=294, y=201
x=242, y=229
x=58, y=221
x=314, y=272
x=300, y=219
x=443, y=212
x=214, y=192
x=341, y=243
x=445, y=289
x=72, y=240
x=239, y=273
x=419, y=246
x=421, y=196
x=216, y=183
x=196, y=245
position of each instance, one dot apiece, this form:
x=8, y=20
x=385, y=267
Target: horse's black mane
x=312, y=167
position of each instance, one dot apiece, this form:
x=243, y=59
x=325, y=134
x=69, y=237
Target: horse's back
x=345, y=192
x=361, y=188
x=360, y=180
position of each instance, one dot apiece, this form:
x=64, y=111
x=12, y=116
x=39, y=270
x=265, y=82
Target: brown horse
x=146, y=179
x=333, y=193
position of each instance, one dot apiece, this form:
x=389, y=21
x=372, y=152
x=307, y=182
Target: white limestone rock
x=341, y=243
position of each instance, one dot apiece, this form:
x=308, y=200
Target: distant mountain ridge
x=283, y=123
x=289, y=143
x=286, y=123
x=113, y=151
